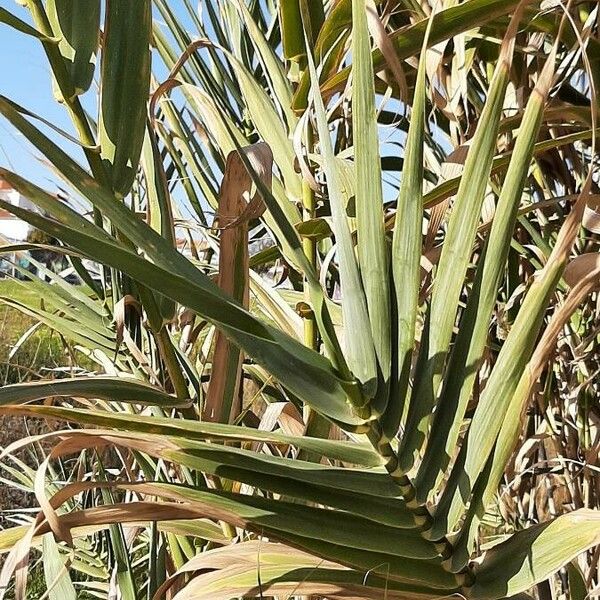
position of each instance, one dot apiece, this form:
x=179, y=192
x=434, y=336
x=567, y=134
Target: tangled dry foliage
x=344, y=343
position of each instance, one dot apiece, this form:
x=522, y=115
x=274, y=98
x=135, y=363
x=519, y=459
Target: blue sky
x=25, y=78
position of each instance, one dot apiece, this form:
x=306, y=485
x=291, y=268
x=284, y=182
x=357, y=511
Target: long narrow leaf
x=125, y=89
x=406, y=251
x=530, y=556
x=470, y=342
x=360, y=350
x=309, y=375
x=456, y=251
x=372, y=246
x=118, y=389
x=504, y=379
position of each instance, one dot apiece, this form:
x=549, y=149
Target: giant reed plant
x=366, y=459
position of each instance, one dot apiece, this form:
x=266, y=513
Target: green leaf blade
x=372, y=248
x=125, y=77
x=454, y=259
x=531, y=556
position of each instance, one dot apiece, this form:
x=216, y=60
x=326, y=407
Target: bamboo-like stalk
x=314, y=424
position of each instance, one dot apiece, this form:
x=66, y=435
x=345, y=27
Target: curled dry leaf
x=580, y=267
x=120, y=312
x=591, y=214
x=383, y=41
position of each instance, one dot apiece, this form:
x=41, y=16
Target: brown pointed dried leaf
x=383, y=41
x=235, y=212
